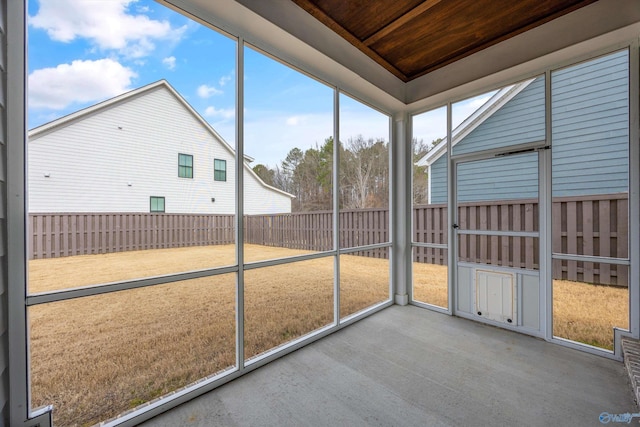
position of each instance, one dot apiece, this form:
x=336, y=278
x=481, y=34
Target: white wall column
x=20, y=413
x=400, y=217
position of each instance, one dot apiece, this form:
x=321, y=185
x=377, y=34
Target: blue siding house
x=589, y=137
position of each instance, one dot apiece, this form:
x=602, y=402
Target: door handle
x=455, y=226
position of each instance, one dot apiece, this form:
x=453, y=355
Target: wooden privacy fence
x=592, y=225
x=587, y=225
x=581, y=225
x=313, y=231
x=431, y=226
x=307, y=231
x=69, y=234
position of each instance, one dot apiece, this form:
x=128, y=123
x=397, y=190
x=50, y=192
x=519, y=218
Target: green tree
x=265, y=174
x=312, y=178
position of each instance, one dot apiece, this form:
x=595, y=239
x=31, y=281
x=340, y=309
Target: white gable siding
x=260, y=201
x=117, y=158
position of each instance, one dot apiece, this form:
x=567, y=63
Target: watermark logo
x=606, y=418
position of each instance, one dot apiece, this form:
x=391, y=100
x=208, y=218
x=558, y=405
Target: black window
x=219, y=170
x=185, y=166
x=156, y=204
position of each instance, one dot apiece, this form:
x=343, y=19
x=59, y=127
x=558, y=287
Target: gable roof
x=127, y=96
x=497, y=101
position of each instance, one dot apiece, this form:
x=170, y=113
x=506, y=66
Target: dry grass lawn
x=95, y=357
x=588, y=313
x=430, y=284
x=581, y=312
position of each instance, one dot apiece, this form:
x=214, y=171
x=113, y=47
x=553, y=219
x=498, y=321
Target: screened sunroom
x=290, y=212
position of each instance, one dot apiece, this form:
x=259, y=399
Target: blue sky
x=85, y=51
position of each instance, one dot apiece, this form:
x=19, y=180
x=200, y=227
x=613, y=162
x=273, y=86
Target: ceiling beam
x=394, y=25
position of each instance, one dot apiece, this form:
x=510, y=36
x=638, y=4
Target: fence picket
x=587, y=238
x=622, y=233
x=605, y=238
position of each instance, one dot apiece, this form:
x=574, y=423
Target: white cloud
x=205, y=91
x=463, y=109
x=105, y=23
x=363, y=122
x=460, y=111
x=223, y=113
x=223, y=121
x=225, y=79
x=170, y=62
x=268, y=141
x=432, y=125
x=78, y=82
x=294, y=120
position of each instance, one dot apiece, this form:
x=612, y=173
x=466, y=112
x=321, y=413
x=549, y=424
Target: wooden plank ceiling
x=411, y=38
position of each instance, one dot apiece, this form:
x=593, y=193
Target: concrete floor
x=407, y=366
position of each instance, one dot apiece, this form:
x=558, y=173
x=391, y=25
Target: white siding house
x=146, y=150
